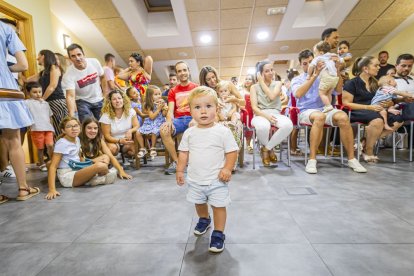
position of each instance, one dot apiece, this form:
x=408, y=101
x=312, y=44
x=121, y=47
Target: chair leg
x=306, y=145
x=393, y=146
x=411, y=141
x=334, y=139
x=254, y=148
x=342, y=152
x=288, y=150
x=328, y=130
x=358, y=141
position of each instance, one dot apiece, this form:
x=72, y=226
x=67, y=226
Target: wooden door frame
x=26, y=35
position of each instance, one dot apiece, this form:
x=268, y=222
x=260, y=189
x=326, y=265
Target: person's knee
x=342, y=120
x=105, y=158
x=318, y=118
x=101, y=168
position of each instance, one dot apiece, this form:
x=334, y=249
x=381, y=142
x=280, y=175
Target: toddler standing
x=228, y=111
x=328, y=76
x=42, y=129
x=156, y=108
x=211, y=152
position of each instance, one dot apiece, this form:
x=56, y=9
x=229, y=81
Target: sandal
x=296, y=152
x=370, y=159
x=31, y=192
x=153, y=152
x=142, y=152
x=3, y=199
x=249, y=150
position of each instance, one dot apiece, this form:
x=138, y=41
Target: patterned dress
x=152, y=126
x=139, y=81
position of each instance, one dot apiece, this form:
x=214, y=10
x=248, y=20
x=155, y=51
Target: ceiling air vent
x=158, y=5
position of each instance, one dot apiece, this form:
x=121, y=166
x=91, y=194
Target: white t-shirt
x=119, y=126
x=406, y=84
x=329, y=63
x=41, y=113
x=109, y=76
x=207, y=148
x=86, y=82
x=69, y=151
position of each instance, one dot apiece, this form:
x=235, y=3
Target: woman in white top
x=266, y=104
x=119, y=122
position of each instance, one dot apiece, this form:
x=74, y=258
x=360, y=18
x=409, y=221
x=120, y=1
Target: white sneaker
x=8, y=173
x=311, y=166
x=110, y=177
x=97, y=180
x=356, y=166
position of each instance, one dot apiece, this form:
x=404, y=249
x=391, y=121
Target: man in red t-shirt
x=178, y=117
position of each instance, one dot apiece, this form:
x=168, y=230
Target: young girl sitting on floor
x=93, y=146
x=156, y=108
x=68, y=148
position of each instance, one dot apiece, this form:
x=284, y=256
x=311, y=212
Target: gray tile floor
x=282, y=221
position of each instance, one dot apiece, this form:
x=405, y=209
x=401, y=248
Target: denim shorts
x=216, y=194
x=181, y=124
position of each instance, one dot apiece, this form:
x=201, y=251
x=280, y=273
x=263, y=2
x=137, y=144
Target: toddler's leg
x=202, y=210
x=49, y=150
x=383, y=114
x=326, y=99
x=220, y=216
x=140, y=139
x=153, y=140
x=41, y=157
x=394, y=110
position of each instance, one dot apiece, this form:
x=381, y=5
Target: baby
x=328, y=76
x=345, y=57
x=228, y=111
x=388, y=91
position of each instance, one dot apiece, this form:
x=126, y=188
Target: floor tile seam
x=97, y=219
x=307, y=238
x=186, y=245
x=392, y=213
x=53, y=259
x=363, y=243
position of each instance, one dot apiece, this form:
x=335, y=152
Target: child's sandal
x=142, y=152
x=153, y=152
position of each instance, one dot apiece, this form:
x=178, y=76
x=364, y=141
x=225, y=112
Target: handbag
x=78, y=165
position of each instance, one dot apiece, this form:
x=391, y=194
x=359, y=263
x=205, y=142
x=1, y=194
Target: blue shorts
x=216, y=194
x=181, y=124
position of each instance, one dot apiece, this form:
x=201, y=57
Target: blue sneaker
x=202, y=226
x=217, y=242
x=171, y=169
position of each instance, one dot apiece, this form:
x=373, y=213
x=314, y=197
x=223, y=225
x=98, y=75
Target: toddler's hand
x=180, y=178
x=225, y=175
x=52, y=194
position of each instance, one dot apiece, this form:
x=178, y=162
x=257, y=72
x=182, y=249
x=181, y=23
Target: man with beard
x=384, y=65
x=178, y=117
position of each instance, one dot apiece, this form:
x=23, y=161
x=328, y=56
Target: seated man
x=178, y=116
x=310, y=106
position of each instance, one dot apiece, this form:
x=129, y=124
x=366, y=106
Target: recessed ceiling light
x=182, y=54
x=205, y=38
x=262, y=35
x=284, y=48
x=251, y=71
x=276, y=10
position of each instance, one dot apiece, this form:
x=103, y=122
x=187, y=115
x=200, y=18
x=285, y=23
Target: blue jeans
x=87, y=109
x=181, y=124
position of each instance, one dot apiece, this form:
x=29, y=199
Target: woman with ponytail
x=357, y=95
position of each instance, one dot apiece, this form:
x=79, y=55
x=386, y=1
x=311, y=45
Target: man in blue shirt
x=310, y=106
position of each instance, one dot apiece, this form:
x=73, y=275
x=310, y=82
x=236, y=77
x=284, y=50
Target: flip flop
x=3, y=199
x=32, y=191
x=296, y=152
x=371, y=159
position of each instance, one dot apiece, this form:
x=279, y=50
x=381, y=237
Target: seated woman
x=94, y=146
x=119, y=123
x=68, y=149
x=357, y=94
x=138, y=73
x=208, y=77
x=266, y=104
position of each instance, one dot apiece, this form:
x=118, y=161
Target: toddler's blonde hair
x=384, y=80
x=202, y=91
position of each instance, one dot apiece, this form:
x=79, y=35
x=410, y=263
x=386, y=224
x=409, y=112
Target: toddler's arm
x=233, y=109
x=181, y=164
x=225, y=172
x=311, y=69
x=51, y=178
